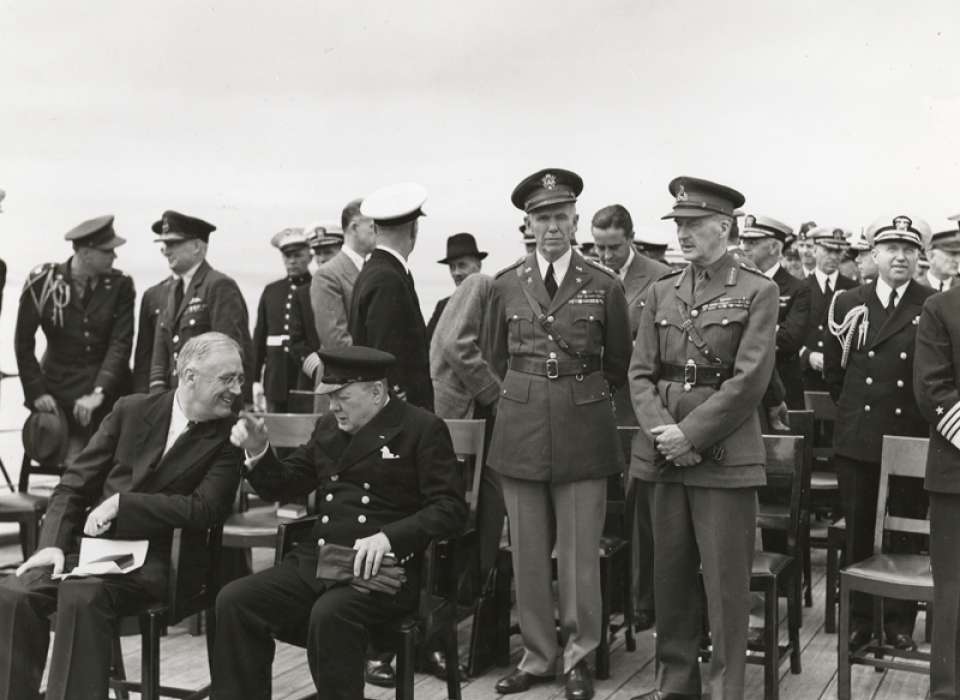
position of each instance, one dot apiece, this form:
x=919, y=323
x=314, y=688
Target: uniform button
x=871, y=353
x=663, y=322
x=553, y=356
x=549, y=319
x=724, y=322
x=819, y=343
x=361, y=519
x=325, y=519
x=321, y=542
x=897, y=411
x=903, y=356
x=286, y=317
x=899, y=383
x=329, y=497
x=819, y=328
x=175, y=356
x=365, y=500
x=366, y=486
x=193, y=321
x=867, y=408
x=88, y=348
x=176, y=338
x=288, y=304
x=550, y=337
x=334, y=477
x=515, y=317
x=869, y=381
x=286, y=326
x=591, y=318
x=86, y=334
x=694, y=313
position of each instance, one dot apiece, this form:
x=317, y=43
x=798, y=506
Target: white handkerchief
x=385, y=453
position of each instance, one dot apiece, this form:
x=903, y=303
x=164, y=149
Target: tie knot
x=893, y=298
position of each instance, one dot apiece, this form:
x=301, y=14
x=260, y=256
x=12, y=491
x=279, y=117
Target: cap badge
x=902, y=223
x=838, y=235
x=749, y=220
x=165, y=226
x=681, y=194
x=549, y=181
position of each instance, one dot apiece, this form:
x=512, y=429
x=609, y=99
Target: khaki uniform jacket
x=558, y=430
x=735, y=313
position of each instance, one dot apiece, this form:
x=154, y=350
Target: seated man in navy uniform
x=85, y=308
x=158, y=462
x=387, y=482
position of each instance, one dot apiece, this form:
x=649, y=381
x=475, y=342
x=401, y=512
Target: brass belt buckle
x=689, y=375
x=553, y=368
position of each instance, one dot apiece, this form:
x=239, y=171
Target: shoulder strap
x=694, y=334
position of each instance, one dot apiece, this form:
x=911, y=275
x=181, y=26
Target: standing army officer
x=85, y=308
x=272, y=336
x=703, y=356
x=869, y=369
x=201, y=300
x=565, y=340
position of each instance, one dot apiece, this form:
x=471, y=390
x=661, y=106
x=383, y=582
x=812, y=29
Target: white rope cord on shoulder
x=845, y=330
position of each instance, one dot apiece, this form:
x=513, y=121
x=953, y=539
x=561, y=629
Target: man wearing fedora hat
x=463, y=259
x=85, y=308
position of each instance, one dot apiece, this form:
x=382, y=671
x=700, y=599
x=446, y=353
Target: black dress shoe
x=380, y=673
x=643, y=620
x=436, y=665
x=860, y=636
x=578, y=683
x=901, y=642
x=519, y=682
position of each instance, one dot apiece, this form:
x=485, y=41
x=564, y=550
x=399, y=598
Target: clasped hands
x=375, y=568
x=674, y=445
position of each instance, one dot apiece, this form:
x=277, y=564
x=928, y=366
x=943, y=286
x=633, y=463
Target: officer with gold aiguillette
x=702, y=359
x=85, y=308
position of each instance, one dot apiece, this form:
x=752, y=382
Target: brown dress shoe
x=519, y=682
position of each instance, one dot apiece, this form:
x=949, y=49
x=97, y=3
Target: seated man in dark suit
x=156, y=463
x=387, y=482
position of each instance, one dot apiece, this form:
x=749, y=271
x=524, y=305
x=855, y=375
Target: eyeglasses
x=227, y=379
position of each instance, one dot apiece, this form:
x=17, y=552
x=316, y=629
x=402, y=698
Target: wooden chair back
x=784, y=467
x=904, y=457
x=306, y=401
x=802, y=423
x=289, y=429
x=824, y=415
x=468, y=439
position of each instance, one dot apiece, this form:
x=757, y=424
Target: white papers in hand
x=101, y=557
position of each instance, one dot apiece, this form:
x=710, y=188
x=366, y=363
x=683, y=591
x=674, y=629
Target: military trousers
x=714, y=531
x=640, y=496
x=568, y=519
x=945, y=562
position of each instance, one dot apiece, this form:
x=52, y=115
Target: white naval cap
x=755, y=227
x=899, y=227
x=395, y=204
x=290, y=238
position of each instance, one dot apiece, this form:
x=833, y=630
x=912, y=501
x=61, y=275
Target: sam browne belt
x=692, y=374
x=552, y=368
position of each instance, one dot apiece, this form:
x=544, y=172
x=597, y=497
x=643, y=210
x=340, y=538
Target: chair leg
x=406, y=659
x=210, y=627
x=117, y=671
x=833, y=570
x=150, y=657
x=843, y=642
x=29, y=534
x=453, y=663
x=628, y=611
x=927, y=622
x=603, y=649
x=807, y=573
x=794, y=612
x=771, y=644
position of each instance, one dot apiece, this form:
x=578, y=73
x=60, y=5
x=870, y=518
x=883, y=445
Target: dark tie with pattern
x=550, y=281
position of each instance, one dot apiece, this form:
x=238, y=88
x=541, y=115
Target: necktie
x=87, y=291
x=828, y=288
x=178, y=295
x=941, y=285
x=550, y=282
x=893, y=300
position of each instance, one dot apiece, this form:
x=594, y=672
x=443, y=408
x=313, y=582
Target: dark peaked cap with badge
x=174, y=226
x=696, y=198
x=545, y=188
x=755, y=227
x=95, y=233
x=352, y=364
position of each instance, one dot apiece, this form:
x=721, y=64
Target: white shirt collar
x=178, y=422
x=406, y=268
x=622, y=272
x=883, y=292
x=773, y=270
x=355, y=257
x=560, y=266
x=187, y=276
x=935, y=283
x=822, y=278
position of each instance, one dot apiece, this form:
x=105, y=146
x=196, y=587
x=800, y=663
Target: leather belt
x=276, y=341
x=692, y=374
x=552, y=368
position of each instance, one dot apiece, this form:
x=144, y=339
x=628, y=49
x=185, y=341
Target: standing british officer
x=869, y=369
x=936, y=387
x=702, y=359
x=201, y=300
x=565, y=344
x=152, y=303
x=829, y=245
x=272, y=336
x=85, y=308
x=763, y=239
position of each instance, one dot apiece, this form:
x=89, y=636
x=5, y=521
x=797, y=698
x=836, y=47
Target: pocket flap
x=516, y=387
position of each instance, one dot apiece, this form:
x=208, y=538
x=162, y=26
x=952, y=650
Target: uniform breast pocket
x=722, y=328
x=196, y=318
x=520, y=330
x=588, y=324
x=669, y=331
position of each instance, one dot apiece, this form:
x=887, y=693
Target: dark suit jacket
x=273, y=337
x=213, y=302
x=91, y=347
x=878, y=375
x=397, y=474
x=936, y=387
x=192, y=486
x=818, y=333
x=151, y=305
x=385, y=314
x=792, y=322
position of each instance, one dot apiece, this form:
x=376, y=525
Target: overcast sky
x=261, y=115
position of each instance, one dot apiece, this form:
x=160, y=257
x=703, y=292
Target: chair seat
x=13, y=503
x=258, y=524
x=900, y=569
x=769, y=563
x=824, y=481
x=773, y=516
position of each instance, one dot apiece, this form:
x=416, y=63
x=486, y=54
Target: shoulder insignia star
x=939, y=410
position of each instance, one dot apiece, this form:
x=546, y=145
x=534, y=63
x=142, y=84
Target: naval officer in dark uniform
x=868, y=365
x=273, y=335
x=702, y=359
x=763, y=238
x=85, y=308
x=936, y=387
x=564, y=346
x=202, y=299
x=387, y=483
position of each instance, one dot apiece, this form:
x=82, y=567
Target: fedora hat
x=46, y=437
x=460, y=244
